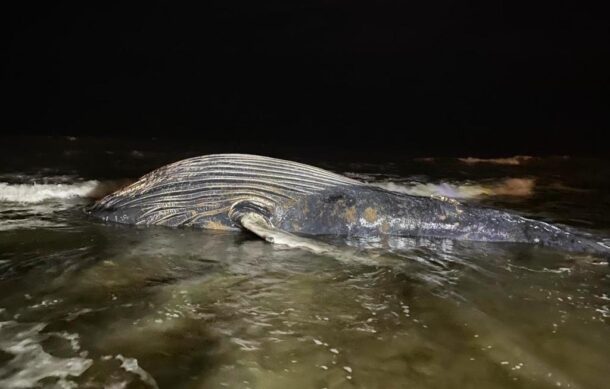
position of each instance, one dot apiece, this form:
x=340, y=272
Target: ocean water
x=92, y=305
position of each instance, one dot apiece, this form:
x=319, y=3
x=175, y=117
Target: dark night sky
x=483, y=76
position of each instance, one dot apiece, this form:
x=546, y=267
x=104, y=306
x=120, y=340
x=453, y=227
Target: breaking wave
x=516, y=160
x=36, y=193
x=507, y=187
x=29, y=202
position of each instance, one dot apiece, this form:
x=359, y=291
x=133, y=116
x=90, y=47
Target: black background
x=441, y=77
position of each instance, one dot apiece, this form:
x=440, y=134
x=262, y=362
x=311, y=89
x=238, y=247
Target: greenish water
x=83, y=304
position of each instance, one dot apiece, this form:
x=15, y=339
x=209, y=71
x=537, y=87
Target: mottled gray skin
x=370, y=211
x=218, y=191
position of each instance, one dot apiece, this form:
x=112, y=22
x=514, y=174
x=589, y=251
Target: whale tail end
x=568, y=239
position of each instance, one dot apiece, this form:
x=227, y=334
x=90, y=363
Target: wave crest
x=36, y=193
x=516, y=160
x=507, y=187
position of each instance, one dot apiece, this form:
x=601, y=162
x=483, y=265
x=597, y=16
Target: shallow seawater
x=85, y=304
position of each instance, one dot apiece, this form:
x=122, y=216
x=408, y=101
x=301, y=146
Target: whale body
x=262, y=194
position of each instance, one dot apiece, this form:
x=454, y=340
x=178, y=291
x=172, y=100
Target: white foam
x=31, y=363
x=131, y=365
x=516, y=160
x=35, y=193
x=506, y=187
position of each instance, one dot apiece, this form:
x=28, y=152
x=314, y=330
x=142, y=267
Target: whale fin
x=255, y=218
x=260, y=226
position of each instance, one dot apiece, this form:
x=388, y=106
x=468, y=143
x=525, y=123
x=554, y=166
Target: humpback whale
x=267, y=196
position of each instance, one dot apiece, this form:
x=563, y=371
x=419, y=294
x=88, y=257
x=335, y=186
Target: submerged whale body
x=263, y=195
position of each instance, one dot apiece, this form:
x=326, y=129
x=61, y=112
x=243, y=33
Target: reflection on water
x=92, y=305
x=185, y=308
